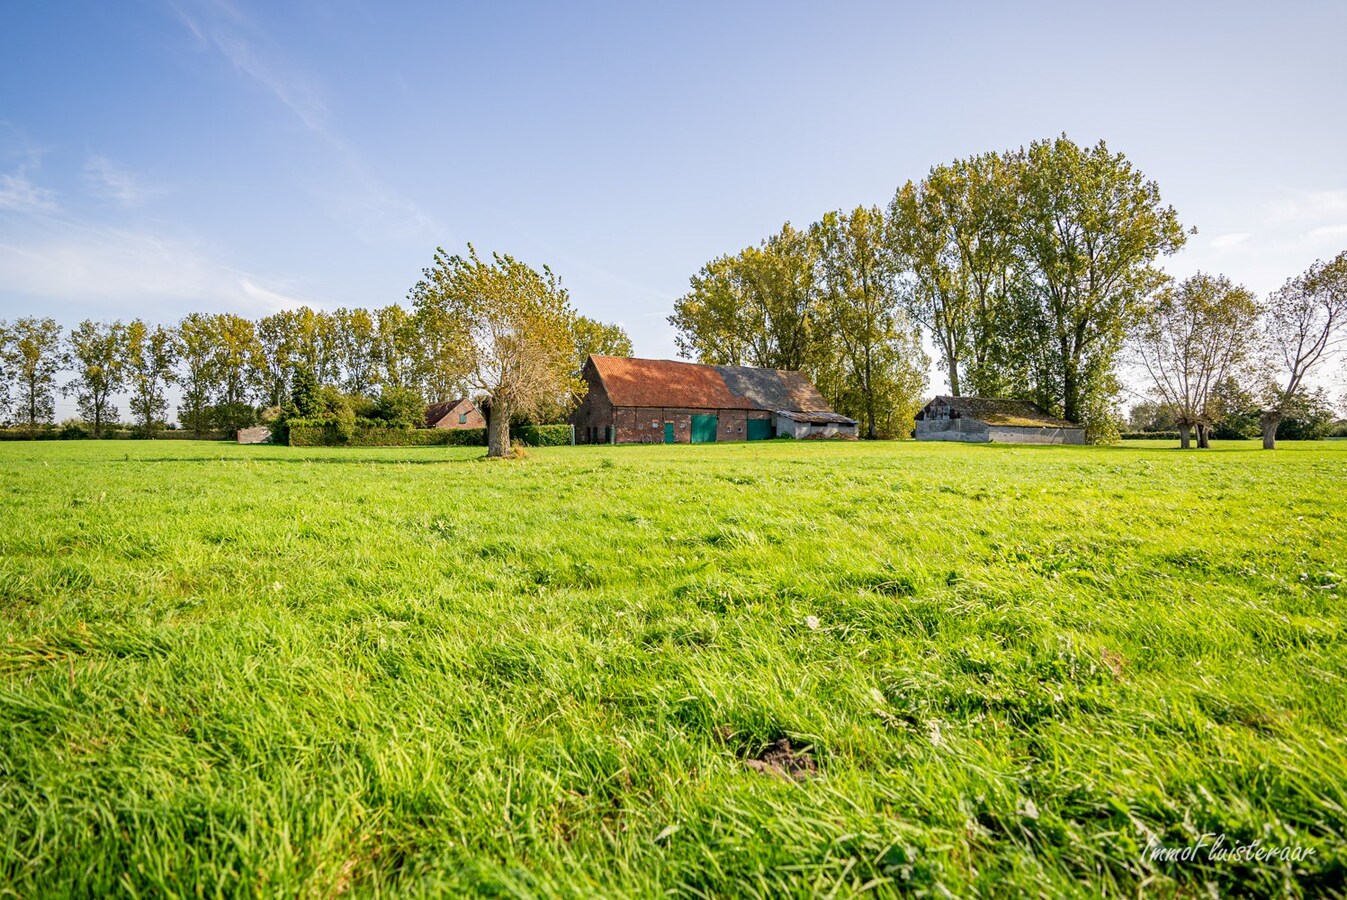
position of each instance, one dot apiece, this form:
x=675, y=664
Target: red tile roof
x=435, y=412
x=668, y=384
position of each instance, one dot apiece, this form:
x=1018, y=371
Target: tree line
x=229, y=369
x=1034, y=273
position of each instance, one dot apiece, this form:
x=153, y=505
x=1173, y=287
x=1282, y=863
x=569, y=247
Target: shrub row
x=311, y=433
x=1152, y=435
x=327, y=434
x=76, y=434
x=542, y=435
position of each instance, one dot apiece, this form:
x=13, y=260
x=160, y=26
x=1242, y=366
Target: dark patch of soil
x=783, y=761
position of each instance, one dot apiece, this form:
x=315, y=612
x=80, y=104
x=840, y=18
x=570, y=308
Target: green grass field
x=294, y=672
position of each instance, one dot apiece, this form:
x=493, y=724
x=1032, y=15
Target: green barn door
x=668, y=433
x=759, y=429
x=704, y=429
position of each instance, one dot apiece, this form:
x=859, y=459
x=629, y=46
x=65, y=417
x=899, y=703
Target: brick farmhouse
x=654, y=401
x=454, y=414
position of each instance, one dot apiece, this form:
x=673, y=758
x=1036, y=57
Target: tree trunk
x=1071, y=394
x=1203, y=441
x=1270, y=422
x=498, y=430
x=1185, y=436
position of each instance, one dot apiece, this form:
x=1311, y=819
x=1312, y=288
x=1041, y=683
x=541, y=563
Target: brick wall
x=468, y=408
x=646, y=425
x=594, y=414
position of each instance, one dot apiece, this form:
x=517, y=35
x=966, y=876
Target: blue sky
x=162, y=157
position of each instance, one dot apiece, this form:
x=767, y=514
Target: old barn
x=985, y=419
x=653, y=401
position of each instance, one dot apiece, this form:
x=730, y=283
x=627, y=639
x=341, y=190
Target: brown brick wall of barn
x=643, y=425
x=595, y=412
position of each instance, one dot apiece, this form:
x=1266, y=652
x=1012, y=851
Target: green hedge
x=543, y=435
x=1152, y=435
x=325, y=434
x=316, y=433
x=54, y=434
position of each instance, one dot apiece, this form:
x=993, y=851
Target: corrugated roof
x=666, y=383
x=817, y=418
x=998, y=411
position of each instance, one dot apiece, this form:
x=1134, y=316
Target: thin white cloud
x=19, y=194
x=110, y=182
x=87, y=264
x=1228, y=241
x=273, y=299
x=356, y=197
x=1327, y=234
x=1298, y=206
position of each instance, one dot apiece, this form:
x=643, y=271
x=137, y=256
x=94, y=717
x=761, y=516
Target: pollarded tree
x=1197, y=334
x=95, y=351
x=150, y=357
x=1304, y=323
x=1089, y=230
x=34, y=355
x=505, y=331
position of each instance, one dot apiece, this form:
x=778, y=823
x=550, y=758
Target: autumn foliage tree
x=95, y=351
x=150, y=355
x=33, y=357
x=505, y=331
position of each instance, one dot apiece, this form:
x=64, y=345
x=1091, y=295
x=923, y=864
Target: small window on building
x=463, y=418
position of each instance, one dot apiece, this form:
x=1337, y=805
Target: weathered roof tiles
x=662, y=383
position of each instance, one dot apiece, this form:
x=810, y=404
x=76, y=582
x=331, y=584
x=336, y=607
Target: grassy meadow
x=1001, y=670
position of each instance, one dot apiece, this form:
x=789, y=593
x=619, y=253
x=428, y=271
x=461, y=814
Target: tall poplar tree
x=150, y=357
x=34, y=356
x=95, y=351
x=876, y=352
x=1089, y=230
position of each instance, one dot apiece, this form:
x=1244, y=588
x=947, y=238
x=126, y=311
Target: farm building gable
x=663, y=401
x=461, y=413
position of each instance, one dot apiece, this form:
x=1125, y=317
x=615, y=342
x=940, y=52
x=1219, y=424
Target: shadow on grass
x=293, y=460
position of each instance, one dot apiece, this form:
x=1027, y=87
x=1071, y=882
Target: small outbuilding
x=986, y=419
x=455, y=414
x=805, y=425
